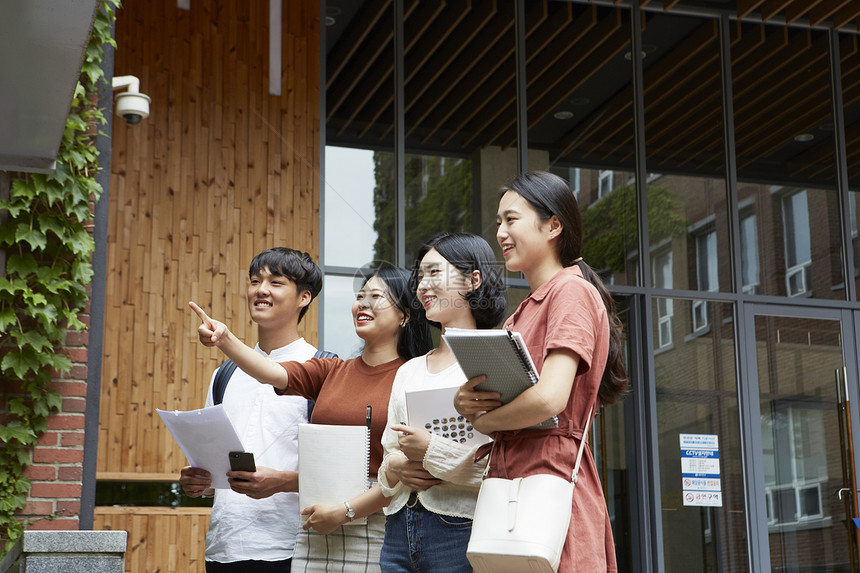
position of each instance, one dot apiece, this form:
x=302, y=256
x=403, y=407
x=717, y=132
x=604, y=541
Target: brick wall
x=54, y=501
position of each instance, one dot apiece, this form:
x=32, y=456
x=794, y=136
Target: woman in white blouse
x=432, y=480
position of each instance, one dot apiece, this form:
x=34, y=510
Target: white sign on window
x=700, y=470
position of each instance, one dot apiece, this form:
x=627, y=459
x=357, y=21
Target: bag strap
x=225, y=371
x=319, y=354
x=582, y=445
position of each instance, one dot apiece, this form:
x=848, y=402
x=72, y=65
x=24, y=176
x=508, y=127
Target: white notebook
x=333, y=464
x=502, y=356
x=433, y=410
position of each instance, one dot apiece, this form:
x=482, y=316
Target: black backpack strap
x=225, y=371
x=319, y=354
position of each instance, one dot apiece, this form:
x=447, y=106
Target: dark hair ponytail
x=550, y=195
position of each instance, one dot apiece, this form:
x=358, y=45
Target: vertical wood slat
x=163, y=539
x=220, y=171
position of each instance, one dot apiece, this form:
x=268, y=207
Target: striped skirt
x=348, y=549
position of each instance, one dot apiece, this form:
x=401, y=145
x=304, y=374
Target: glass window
x=684, y=146
x=786, y=157
x=605, y=186
x=359, y=165
x=696, y=387
x=804, y=444
x=460, y=116
x=338, y=295
x=706, y=264
x=580, y=123
x=848, y=51
x=793, y=489
x=353, y=234
x=749, y=254
x=662, y=274
x=438, y=198
x=798, y=249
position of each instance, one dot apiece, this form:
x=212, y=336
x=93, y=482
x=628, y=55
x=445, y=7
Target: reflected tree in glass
x=438, y=199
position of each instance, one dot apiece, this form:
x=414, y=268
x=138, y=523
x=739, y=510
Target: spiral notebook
x=333, y=464
x=502, y=356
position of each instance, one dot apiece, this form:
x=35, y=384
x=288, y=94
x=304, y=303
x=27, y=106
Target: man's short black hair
x=295, y=265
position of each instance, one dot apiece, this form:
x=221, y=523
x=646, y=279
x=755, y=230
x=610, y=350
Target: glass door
x=805, y=456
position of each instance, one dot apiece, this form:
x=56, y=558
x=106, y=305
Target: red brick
x=78, y=372
x=72, y=439
x=54, y=490
x=76, y=354
x=44, y=473
x=70, y=388
x=49, y=439
x=70, y=422
x=77, y=338
x=48, y=455
x=74, y=405
x=85, y=318
x=66, y=524
x=68, y=508
x=70, y=473
x=37, y=508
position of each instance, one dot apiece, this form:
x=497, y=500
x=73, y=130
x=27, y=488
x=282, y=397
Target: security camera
x=131, y=105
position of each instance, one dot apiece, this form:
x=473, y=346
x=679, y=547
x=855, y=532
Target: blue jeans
x=420, y=541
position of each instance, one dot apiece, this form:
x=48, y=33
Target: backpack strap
x=225, y=371
x=319, y=354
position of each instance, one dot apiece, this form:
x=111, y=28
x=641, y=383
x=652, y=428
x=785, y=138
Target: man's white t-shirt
x=242, y=528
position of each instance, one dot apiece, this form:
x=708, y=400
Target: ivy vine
x=48, y=245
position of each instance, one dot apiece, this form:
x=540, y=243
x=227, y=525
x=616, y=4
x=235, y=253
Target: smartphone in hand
x=242, y=462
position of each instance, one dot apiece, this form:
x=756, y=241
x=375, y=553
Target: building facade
x=714, y=148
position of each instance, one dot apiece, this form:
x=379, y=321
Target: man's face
x=273, y=299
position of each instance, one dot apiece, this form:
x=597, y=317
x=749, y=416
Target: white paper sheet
x=206, y=437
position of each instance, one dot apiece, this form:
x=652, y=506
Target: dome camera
x=131, y=105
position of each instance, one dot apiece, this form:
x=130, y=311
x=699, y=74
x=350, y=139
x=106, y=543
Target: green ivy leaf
x=34, y=298
x=34, y=237
x=22, y=191
x=12, y=287
x=82, y=271
x=7, y=318
x=15, y=430
x=55, y=401
x=20, y=362
x=21, y=265
x=46, y=314
x=59, y=362
x=73, y=321
x=81, y=242
x=51, y=222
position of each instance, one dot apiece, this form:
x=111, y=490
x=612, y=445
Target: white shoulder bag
x=521, y=524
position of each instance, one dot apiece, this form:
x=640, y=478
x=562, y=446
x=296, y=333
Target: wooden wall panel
x=218, y=172
x=160, y=539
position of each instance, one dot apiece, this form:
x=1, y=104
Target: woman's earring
x=402, y=324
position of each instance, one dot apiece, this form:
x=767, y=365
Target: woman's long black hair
x=415, y=340
x=550, y=195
